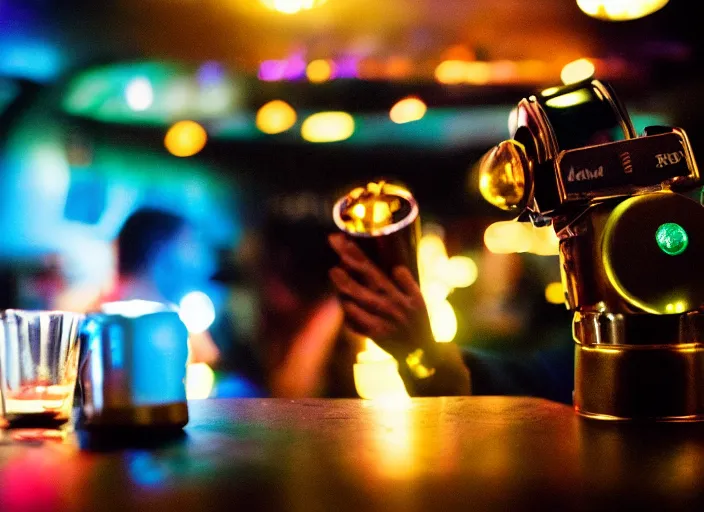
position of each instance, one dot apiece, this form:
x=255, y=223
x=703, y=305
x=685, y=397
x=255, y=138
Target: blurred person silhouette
x=305, y=349
x=161, y=256
x=391, y=310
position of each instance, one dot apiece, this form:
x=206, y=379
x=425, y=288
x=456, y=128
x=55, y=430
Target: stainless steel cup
x=133, y=367
x=390, y=243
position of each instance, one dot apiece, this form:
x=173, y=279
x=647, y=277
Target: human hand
x=391, y=311
x=388, y=309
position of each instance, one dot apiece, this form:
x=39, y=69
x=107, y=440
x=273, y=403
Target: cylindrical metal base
x=173, y=415
x=640, y=382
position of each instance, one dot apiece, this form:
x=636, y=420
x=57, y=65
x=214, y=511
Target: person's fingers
x=403, y=277
x=355, y=260
x=366, y=323
x=367, y=299
x=407, y=283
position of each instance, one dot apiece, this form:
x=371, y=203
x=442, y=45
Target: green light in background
x=672, y=239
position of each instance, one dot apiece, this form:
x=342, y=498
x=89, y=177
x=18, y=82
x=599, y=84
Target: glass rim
x=389, y=229
x=50, y=312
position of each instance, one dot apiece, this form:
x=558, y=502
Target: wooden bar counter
x=469, y=453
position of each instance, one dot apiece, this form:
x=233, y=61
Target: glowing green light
x=672, y=238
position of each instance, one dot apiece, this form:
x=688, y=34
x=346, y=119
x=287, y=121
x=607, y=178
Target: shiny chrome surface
x=644, y=367
x=133, y=370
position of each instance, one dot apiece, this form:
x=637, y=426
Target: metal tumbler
x=133, y=368
x=383, y=219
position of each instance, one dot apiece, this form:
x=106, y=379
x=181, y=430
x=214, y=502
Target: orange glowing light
x=319, y=70
x=479, y=73
x=408, y=110
x=291, y=6
x=504, y=71
x=328, y=127
x=185, y=138
x=275, y=117
x=398, y=67
x=452, y=72
x=458, y=52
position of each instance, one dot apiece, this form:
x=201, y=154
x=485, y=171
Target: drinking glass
x=39, y=354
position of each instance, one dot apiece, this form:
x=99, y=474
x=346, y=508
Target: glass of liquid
x=39, y=354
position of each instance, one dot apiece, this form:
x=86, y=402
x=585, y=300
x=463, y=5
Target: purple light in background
x=346, y=67
x=292, y=68
x=210, y=73
x=272, y=70
x=295, y=67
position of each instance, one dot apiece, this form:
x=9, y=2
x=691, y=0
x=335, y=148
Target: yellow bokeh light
x=545, y=241
x=275, y=117
x=292, y=6
x=507, y=237
x=372, y=353
x=319, y=70
x=435, y=291
x=376, y=374
x=479, y=73
x=452, y=72
x=555, y=293
x=442, y=321
x=408, y=110
x=570, y=99
x=200, y=379
x=460, y=271
x=576, y=71
x=328, y=127
x=431, y=249
x=550, y=91
x=359, y=210
x=620, y=10
x=185, y=138
x=677, y=307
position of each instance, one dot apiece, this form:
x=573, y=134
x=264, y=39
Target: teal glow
x=671, y=238
x=102, y=94
x=8, y=93
x=179, y=92
x=32, y=59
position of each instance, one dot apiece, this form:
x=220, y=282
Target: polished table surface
x=470, y=453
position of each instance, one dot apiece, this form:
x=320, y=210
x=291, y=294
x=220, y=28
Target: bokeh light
x=555, y=293
x=507, y=237
x=479, y=73
x=139, y=94
x=132, y=308
x=292, y=6
x=185, y=138
x=452, y=72
x=576, y=71
x=274, y=117
x=460, y=271
x=376, y=374
x=620, y=10
x=196, y=311
x=319, y=70
x=443, y=321
x=200, y=380
x=328, y=127
x=408, y=110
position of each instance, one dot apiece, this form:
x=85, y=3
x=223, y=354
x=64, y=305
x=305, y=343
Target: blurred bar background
x=251, y=117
